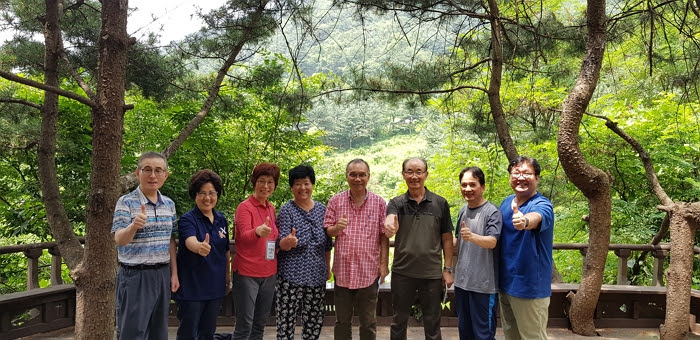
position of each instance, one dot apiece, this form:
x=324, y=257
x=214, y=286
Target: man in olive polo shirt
x=423, y=227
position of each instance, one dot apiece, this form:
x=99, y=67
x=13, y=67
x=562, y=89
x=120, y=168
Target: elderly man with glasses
x=143, y=226
x=355, y=218
x=525, y=265
x=423, y=227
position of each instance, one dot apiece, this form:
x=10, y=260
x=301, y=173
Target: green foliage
x=350, y=124
x=653, y=96
x=246, y=127
x=384, y=159
x=22, y=211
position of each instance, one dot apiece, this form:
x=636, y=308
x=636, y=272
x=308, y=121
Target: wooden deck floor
x=416, y=333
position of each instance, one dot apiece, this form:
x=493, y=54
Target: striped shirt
x=151, y=244
x=357, y=247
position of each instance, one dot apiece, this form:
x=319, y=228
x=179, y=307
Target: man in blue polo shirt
x=525, y=265
x=143, y=227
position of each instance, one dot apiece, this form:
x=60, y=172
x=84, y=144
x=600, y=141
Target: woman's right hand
x=264, y=229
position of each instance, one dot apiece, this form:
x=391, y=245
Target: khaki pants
x=524, y=318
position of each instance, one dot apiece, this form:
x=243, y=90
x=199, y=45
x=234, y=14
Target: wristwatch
x=448, y=269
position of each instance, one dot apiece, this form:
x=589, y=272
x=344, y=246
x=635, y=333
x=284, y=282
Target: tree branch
x=494, y=94
x=68, y=94
x=368, y=89
x=643, y=156
x=694, y=7
x=81, y=82
x=20, y=101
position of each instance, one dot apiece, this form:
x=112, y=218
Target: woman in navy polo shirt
x=203, y=260
x=303, y=260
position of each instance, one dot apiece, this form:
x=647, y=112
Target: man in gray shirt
x=476, y=282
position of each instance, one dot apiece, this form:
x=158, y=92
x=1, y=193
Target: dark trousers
x=252, y=301
x=403, y=293
x=347, y=301
x=293, y=300
x=197, y=319
x=143, y=301
x=476, y=314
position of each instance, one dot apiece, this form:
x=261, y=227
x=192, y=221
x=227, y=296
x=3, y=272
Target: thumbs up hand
x=289, y=242
x=140, y=220
x=465, y=232
x=342, y=223
x=391, y=225
x=264, y=229
x=204, y=247
x=519, y=220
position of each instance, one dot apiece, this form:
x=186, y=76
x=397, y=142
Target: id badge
x=270, y=250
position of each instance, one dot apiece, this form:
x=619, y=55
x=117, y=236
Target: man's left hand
x=383, y=272
x=448, y=279
x=174, y=283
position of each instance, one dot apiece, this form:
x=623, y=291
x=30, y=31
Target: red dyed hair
x=265, y=169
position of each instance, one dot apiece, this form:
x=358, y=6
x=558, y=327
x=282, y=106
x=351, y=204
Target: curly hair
x=202, y=177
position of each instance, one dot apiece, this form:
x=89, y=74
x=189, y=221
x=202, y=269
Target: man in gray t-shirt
x=476, y=283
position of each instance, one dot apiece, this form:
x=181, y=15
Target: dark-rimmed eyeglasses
x=157, y=171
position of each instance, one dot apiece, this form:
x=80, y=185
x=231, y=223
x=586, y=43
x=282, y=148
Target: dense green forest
x=379, y=84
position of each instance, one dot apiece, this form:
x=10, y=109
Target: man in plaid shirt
x=355, y=218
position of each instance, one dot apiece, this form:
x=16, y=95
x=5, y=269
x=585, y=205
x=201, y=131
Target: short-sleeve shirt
x=418, y=242
x=202, y=277
x=305, y=264
x=357, y=247
x=251, y=249
x=151, y=244
x=477, y=267
x=525, y=265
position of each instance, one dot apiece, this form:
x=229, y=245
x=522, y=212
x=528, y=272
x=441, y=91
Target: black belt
x=143, y=266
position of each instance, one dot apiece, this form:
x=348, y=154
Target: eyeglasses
x=525, y=175
x=157, y=171
x=264, y=182
x=418, y=173
x=354, y=175
x=204, y=193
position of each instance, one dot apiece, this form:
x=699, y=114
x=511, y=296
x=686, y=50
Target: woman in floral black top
x=303, y=260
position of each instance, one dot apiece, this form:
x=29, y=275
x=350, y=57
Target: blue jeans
x=197, y=319
x=252, y=301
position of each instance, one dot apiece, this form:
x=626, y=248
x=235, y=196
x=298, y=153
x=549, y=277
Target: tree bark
x=68, y=243
x=494, y=93
x=684, y=223
x=593, y=182
x=685, y=220
x=95, y=277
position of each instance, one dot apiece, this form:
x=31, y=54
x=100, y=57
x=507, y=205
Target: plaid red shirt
x=357, y=247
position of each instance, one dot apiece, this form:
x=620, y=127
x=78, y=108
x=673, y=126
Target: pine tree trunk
x=592, y=182
x=684, y=225
x=95, y=278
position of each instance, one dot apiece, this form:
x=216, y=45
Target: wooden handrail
x=659, y=252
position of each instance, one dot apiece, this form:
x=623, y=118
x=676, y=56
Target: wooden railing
x=39, y=310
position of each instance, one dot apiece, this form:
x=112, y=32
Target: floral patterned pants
x=292, y=300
